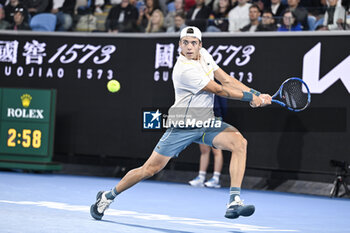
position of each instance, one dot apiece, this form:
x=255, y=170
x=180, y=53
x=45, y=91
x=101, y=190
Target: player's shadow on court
x=147, y=227
x=289, y=152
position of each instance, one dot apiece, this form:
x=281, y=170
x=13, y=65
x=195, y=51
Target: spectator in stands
x=36, y=6
x=334, y=16
x=169, y=20
x=209, y=3
x=64, y=10
x=259, y=3
x=146, y=12
x=89, y=6
x=155, y=24
x=289, y=22
x=163, y=6
x=218, y=20
x=268, y=22
x=198, y=15
x=3, y=23
x=322, y=9
x=314, y=7
x=254, y=14
x=122, y=18
x=189, y=4
x=133, y=3
x=10, y=11
x=179, y=23
x=300, y=13
x=214, y=5
x=239, y=16
x=277, y=9
x=18, y=20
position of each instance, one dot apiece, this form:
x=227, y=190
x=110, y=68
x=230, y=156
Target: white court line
x=151, y=217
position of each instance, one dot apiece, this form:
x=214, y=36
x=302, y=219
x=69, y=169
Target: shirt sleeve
x=209, y=58
x=194, y=81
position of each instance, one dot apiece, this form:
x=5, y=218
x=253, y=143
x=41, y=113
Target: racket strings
x=293, y=95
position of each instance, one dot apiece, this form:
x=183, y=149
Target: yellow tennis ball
x=113, y=86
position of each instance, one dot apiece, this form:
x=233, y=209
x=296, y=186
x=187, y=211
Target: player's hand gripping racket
x=293, y=94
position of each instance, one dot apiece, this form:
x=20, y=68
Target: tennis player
x=193, y=79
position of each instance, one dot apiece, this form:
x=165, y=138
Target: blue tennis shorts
x=175, y=140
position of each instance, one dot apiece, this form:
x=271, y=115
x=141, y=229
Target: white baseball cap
x=191, y=31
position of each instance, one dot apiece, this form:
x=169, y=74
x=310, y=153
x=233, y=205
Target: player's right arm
x=232, y=93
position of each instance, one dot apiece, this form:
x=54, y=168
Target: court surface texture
x=61, y=203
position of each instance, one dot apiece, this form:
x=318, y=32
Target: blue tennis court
x=61, y=203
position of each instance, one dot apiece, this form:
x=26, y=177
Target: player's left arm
x=227, y=80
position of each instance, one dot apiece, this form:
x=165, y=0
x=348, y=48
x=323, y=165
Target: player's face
x=190, y=47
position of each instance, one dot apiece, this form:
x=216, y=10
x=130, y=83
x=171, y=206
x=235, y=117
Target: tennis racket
x=293, y=94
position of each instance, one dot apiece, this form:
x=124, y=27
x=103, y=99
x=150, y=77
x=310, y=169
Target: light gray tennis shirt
x=189, y=78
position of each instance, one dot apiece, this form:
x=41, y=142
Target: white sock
x=202, y=175
x=216, y=176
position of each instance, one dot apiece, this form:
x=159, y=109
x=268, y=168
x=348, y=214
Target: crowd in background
x=116, y=16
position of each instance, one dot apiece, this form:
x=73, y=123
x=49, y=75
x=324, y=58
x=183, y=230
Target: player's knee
x=243, y=143
x=238, y=143
x=149, y=171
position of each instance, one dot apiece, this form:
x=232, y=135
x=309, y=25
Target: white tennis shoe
x=236, y=208
x=197, y=182
x=102, y=203
x=212, y=183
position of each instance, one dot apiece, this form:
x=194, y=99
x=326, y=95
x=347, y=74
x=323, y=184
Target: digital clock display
x=27, y=124
x=24, y=138
x=27, y=139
